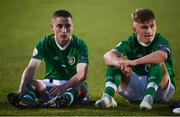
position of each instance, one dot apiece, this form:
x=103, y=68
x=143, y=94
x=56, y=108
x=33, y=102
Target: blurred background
x=101, y=23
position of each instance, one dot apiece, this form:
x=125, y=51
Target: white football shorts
x=48, y=84
x=135, y=90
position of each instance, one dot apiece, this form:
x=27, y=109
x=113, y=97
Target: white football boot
x=106, y=101
x=176, y=110
x=147, y=102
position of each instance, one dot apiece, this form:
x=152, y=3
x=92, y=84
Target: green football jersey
x=133, y=50
x=61, y=64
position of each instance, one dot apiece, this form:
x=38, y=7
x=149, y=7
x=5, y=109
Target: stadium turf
x=102, y=24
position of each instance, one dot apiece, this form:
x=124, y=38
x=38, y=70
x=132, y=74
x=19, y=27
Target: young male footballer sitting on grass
x=66, y=60
x=147, y=74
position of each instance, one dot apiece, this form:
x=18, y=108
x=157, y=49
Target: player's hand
x=56, y=90
x=129, y=63
x=126, y=71
x=125, y=67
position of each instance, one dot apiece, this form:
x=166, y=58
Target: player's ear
x=72, y=28
x=51, y=26
x=134, y=28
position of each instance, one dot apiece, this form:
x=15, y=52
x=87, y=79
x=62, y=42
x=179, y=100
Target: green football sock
x=71, y=94
x=112, y=79
x=154, y=79
x=109, y=90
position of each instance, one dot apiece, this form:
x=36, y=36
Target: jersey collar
x=141, y=43
x=60, y=47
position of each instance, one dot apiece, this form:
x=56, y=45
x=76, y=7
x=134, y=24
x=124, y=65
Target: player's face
x=62, y=28
x=145, y=31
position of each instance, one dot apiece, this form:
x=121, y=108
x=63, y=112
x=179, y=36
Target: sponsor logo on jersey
x=35, y=52
x=71, y=60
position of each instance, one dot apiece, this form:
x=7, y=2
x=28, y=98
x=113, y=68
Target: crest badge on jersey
x=35, y=52
x=71, y=60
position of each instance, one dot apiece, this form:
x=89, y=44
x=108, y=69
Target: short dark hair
x=62, y=13
x=143, y=15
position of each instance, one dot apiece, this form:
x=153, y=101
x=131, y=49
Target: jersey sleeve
x=38, y=52
x=83, y=53
x=123, y=47
x=163, y=45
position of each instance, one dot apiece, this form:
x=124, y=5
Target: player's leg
x=67, y=98
x=25, y=99
x=153, y=83
x=39, y=85
x=75, y=94
x=112, y=81
x=41, y=90
x=83, y=95
x=134, y=89
x=36, y=93
x=63, y=99
x=167, y=89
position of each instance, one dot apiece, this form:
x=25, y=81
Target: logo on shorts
x=71, y=60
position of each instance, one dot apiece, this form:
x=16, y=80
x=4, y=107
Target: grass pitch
x=102, y=24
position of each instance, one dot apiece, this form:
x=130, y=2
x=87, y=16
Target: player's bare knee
x=38, y=84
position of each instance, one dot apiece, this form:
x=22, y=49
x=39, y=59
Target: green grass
x=102, y=24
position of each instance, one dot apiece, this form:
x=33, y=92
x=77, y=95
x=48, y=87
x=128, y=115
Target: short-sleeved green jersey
x=133, y=50
x=61, y=64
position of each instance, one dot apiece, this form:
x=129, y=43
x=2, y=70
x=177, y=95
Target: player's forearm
x=27, y=77
x=74, y=81
x=79, y=77
x=111, y=59
x=28, y=73
x=153, y=58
